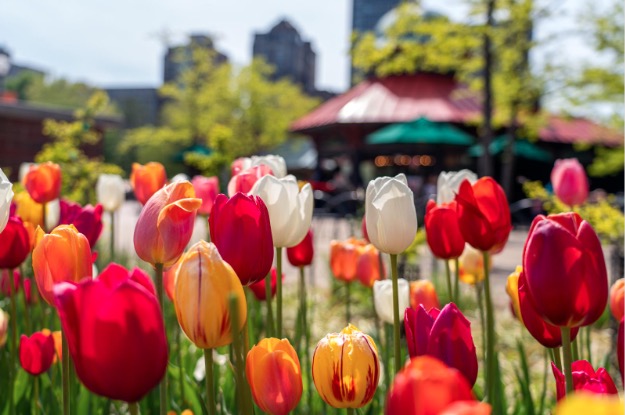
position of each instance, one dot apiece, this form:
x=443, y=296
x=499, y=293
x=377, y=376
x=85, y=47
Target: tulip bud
x=244, y=181
x=88, y=219
x=110, y=191
x=569, y=181
x=203, y=285
x=301, y=255
x=207, y=189
x=617, y=295
x=422, y=292
x=240, y=164
x=273, y=372
x=43, y=182
x=442, y=230
x=383, y=298
x=14, y=244
x=290, y=210
x=449, y=183
x=165, y=224
x=260, y=290
x=36, y=353
x=346, y=368
x=62, y=255
x=6, y=196
x=4, y=327
x=585, y=379
x=369, y=268
x=58, y=343
x=9, y=282
x=147, y=180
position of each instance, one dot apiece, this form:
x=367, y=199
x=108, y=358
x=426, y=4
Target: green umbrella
x=421, y=130
x=522, y=148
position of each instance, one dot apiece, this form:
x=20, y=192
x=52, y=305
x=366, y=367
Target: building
x=290, y=55
x=8, y=68
x=140, y=106
x=178, y=58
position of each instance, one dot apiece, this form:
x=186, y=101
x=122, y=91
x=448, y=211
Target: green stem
x=112, y=241
x=568, y=358
x=133, y=408
x=13, y=362
x=350, y=411
x=490, y=336
x=279, y=291
x=183, y=400
x=348, y=294
x=36, y=393
x=450, y=293
x=44, y=207
x=210, y=394
x=208, y=228
x=575, y=350
x=588, y=331
x=26, y=307
x=396, y=336
x=239, y=360
x=306, y=335
x=457, y=283
x=162, y=387
x=480, y=305
x=269, y=328
x=65, y=362
x=557, y=359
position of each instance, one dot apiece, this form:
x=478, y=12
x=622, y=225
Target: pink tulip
x=245, y=180
x=569, y=181
x=207, y=189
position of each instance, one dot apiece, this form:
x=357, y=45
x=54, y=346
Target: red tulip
x=147, y=180
x=426, y=386
x=115, y=332
x=36, y=353
x=88, y=219
x=43, y=182
x=245, y=180
x=585, y=379
x=569, y=181
x=207, y=189
x=484, y=214
x=442, y=230
x=14, y=244
x=9, y=284
x=301, y=255
x=444, y=334
x=27, y=285
x=260, y=291
x=620, y=346
x=240, y=229
x=565, y=270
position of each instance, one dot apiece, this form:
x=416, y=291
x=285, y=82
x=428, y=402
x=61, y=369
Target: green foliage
x=80, y=173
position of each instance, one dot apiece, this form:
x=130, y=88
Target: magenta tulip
x=245, y=180
x=88, y=219
x=569, y=181
x=585, y=379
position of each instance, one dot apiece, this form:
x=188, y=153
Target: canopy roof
x=522, y=148
x=420, y=130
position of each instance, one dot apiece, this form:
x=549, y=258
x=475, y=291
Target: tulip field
x=268, y=312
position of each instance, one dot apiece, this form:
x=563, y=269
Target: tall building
x=178, y=58
x=140, y=106
x=291, y=56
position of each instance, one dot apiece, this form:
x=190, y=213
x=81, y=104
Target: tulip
x=14, y=244
x=4, y=327
x=390, y=214
x=169, y=279
x=442, y=230
x=426, y=386
x=369, y=268
x=346, y=368
x=121, y=307
x=88, y=219
x=301, y=255
x=57, y=336
x=471, y=266
x=351, y=251
x=43, y=182
x=290, y=210
x=240, y=229
x=110, y=191
x=273, y=372
x=423, y=292
x=9, y=282
x=468, y=408
x=484, y=214
x=259, y=288
x=207, y=189
x=245, y=180
x=336, y=258
x=165, y=224
x=240, y=164
x=585, y=378
x=6, y=196
x=587, y=403
x=444, y=334
x=617, y=294
x=383, y=298
x=36, y=353
x=275, y=163
x=62, y=255
x=569, y=181
x=203, y=285
x=449, y=184
x=147, y=180
x=565, y=270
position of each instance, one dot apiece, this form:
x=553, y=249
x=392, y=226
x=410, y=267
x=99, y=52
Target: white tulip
x=383, y=298
x=449, y=183
x=24, y=167
x=290, y=210
x=275, y=163
x=180, y=177
x=390, y=214
x=53, y=214
x=110, y=191
x=6, y=196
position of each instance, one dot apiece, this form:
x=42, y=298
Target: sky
x=121, y=43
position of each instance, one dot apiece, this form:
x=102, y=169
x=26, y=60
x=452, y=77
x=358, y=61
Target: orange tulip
x=62, y=255
x=275, y=376
x=147, y=180
x=43, y=182
x=336, y=250
x=166, y=223
x=58, y=343
x=423, y=292
x=616, y=299
x=369, y=269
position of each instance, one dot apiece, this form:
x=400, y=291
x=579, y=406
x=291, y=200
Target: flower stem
x=44, y=207
x=183, y=400
x=133, y=408
x=450, y=293
x=350, y=411
x=279, y=291
x=588, y=331
x=396, y=331
x=37, y=404
x=480, y=305
x=348, y=294
x=568, y=358
x=162, y=387
x=13, y=362
x=210, y=394
x=457, y=283
x=557, y=359
x=269, y=328
x=239, y=359
x=490, y=336
x=66, y=364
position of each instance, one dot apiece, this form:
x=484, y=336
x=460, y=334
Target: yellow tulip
x=27, y=209
x=346, y=368
x=472, y=265
x=587, y=403
x=203, y=285
x=512, y=288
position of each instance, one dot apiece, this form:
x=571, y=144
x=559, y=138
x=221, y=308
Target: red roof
x=578, y=130
x=394, y=99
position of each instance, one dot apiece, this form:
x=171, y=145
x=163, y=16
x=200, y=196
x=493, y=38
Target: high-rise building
x=178, y=58
x=290, y=55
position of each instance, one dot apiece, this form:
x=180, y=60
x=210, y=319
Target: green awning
x=522, y=148
x=196, y=148
x=422, y=131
